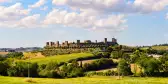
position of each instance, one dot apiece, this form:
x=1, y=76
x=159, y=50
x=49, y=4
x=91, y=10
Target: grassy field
x=160, y=47
x=157, y=47
x=85, y=80
x=32, y=55
x=60, y=58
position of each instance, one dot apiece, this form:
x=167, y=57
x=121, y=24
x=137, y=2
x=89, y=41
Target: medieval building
x=79, y=44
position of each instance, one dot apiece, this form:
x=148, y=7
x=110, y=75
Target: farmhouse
x=79, y=44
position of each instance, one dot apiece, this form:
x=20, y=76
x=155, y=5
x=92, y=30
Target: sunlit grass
x=59, y=58
x=85, y=80
x=160, y=47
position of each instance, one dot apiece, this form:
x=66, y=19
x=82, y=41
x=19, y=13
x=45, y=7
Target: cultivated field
x=160, y=47
x=85, y=80
x=60, y=58
x=157, y=47
x=3, y=53
x=32, y=55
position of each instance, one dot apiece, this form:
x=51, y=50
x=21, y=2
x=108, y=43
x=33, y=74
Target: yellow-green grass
x=60, y=58
x=160, y=47
x=85, y=80
x=144, y=48
x=32, y=55
x=157, y=48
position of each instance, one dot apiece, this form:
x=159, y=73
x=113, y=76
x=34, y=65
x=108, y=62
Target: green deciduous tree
x=124, y=68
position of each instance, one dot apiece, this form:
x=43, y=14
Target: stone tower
x=52, y=43
x=47, y=43
x=57, y=44
x=78, y=41
x=105, y=40
x=114, y=40
x=66, y=43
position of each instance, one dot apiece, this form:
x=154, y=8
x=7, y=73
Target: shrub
x=12, y=71
x=48, y=74
x=98, y=64
x=41, y=67
x=123, y=67
x=3, y=68
x=52, y=66
x=150, y=66
x=2, y=58
x=71, y=70
x=76, y=72
x=18, y=55
x=48, y=70
x=105, y=73
x=21, y=69
x=105, y=55
x=98, y=56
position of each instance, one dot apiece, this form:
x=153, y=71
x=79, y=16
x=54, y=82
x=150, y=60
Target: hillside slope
x=59, y=58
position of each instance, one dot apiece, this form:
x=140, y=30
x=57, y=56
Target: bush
x=21, y=69
x=105, y=55
x=48, y=70
x=2, y=58
x=52, y=66
x=3, y=68
x=18, y=55
x=117, y=54
x=76, y=72
x=98, y=64
x=71, y=70
x=41, y=67
x=12, y=71
x=98, y=56
x=49, y=74
x=150, y=66
x=105, y=73
x=124, y=68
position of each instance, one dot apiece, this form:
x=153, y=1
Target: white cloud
x=86, y=20
x=122, y=6
x=167, y=16
x=38, y=4
x=30, y=21
x=88, y=14
x=13, y=12
x=97, y=14
x=60, y=2
x=25, y=22
x=16, y=16
x=2, y=1
x=151, y=5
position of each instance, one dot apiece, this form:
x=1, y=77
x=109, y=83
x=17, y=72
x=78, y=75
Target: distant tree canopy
x=18, y=55
x=165, y=44
x=2, y=58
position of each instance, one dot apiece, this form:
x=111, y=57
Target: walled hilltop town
x=79, y=44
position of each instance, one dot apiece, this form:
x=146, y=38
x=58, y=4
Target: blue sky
x=28, y=23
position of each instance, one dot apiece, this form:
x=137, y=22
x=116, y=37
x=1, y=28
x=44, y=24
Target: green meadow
x=85, y=80
x=60, y=58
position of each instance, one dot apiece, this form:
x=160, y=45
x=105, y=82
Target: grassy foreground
x=60, y=58
x=85, y=80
